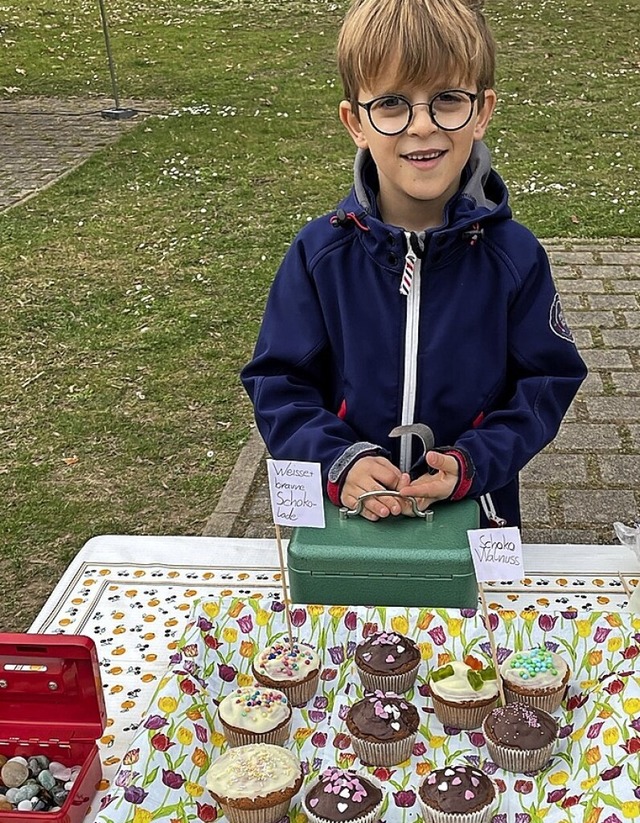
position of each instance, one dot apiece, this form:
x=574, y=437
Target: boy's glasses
x=449, y=110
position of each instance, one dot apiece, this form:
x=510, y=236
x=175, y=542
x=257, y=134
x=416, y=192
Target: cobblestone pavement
x=589, y=476
x=44, y=138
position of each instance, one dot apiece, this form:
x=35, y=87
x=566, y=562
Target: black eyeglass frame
x=473, y=96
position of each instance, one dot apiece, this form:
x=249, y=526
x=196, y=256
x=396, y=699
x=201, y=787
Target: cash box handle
x=345, y=513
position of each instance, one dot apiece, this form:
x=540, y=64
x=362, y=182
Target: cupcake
x=537, y=677
x=463, y=696
x=292, y=669
x=383, y=728
x=343, y=795
x=254, y=714
x=520, y=738
x=255, y=783
x=456, y=794
x=387, y=662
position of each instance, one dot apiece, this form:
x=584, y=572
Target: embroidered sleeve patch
x=557, y=320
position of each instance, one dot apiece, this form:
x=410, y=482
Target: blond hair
x=426, y=40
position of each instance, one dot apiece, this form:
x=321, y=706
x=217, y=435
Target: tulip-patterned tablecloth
x=593, y=777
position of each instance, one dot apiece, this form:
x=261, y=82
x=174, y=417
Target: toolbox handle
x=345, y=512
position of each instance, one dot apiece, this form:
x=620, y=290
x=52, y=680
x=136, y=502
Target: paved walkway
x=572, y=492
x=43, y=139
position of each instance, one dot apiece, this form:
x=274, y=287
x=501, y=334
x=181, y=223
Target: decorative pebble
x=60, y=772
x=14, y=772
x=46, y=779
x=35, y=783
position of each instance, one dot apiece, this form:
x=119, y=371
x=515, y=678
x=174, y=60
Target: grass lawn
x=132, y=290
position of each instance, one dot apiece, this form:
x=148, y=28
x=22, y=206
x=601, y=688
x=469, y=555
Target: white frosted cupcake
x=462, y=697
x=255, y=783
x=291, y=668
x=536, y=677
x=254, y=714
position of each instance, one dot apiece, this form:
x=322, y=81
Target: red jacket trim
x=464, y=479
x=333, y=491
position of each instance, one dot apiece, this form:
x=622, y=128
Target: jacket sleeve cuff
x=338, y=471
x=466, y=472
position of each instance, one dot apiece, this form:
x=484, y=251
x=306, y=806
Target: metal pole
x=116, y=113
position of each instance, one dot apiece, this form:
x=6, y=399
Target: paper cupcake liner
x=240, y=737
x=519, y=760
x=432, y=815
x=371, y=817
x=266, y=815
x=462, y=717
x=398, y=683
x=387, y=753
x=549, y=702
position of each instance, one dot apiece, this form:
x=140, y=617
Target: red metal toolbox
x=51, y=703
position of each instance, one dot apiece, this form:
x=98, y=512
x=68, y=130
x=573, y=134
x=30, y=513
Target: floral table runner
x=593, y=777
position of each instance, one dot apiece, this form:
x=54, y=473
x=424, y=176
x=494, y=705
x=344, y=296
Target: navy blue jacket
x=479, y=349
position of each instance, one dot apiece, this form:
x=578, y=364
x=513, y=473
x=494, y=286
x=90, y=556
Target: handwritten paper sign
x=496, y=553
x=296, y=493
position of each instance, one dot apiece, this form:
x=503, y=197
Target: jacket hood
x=482, y=193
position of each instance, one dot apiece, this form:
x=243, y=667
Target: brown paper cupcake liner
x=371, y=817
x=398, y=683
x=462, y=717
x=549, y=702
x=432, y=815
x=519, y=760
x=266, y=815
x=240, y=737
x=386, y=753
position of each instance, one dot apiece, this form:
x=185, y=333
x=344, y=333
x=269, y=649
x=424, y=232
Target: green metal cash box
x=401, y=561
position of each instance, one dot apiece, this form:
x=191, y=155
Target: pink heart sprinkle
x=390, y=658
x=469, y=795
x=313, y=802
x=456, y=781
x=475, y=781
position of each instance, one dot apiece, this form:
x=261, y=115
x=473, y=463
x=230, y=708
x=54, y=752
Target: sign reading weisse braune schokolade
x=295, y=489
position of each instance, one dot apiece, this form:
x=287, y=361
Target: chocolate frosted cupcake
x=536, y=677
x=383, y=728
x=387, y=662
x=456, y=794
x=292, y=669
x=520, y=738
x=255, y=783
x=463, y=696
x=255, y=715
x=343, y=795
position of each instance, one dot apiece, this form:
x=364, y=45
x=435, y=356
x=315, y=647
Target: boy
x=419, y=299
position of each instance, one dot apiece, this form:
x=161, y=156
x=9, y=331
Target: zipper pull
x=490, y=513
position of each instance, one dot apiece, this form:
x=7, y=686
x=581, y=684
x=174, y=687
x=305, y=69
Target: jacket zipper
x=412, y=261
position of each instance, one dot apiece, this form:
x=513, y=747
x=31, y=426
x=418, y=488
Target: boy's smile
x=419, y=169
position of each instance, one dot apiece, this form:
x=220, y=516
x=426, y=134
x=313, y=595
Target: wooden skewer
x=492, y=643
x=285, y=588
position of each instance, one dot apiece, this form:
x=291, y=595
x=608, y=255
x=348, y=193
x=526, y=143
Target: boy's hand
x=375, y=474
x=432, y=487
